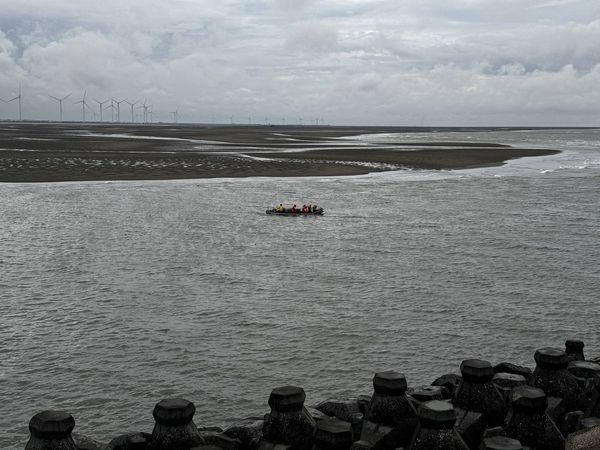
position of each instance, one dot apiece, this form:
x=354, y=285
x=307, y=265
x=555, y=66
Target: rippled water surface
x=116, y=295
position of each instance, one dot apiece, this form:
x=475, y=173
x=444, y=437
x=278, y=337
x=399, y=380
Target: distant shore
x=46, y=152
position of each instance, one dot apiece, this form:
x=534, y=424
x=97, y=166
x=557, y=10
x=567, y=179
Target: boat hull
x=272, y=212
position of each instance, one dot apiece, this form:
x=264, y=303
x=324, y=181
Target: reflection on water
x=116, y=295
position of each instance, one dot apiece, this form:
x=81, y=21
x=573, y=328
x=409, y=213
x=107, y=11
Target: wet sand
x=41, y=152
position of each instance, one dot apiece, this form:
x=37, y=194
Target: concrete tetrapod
x=288, y=423
x=574, y=348
x=51, y=430
x=333, y=434
x=478, y=393
x=551, y=376
x=500, y=443
x=174, y=428
x=528, y=422
x=436, y=428
x=390, y=419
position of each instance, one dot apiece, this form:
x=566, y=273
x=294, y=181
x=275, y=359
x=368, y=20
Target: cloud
x=312, y=38
x=351, y=61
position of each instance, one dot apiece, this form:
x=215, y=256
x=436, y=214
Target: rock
x=85, y=443
x=247, y=431
x=588, y=439
x=51, y=430
x=436, y=428
x=552, y=377
x=130, y=441
x=174, y=427
x=477, y=393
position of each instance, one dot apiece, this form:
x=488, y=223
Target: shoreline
x=37, y=153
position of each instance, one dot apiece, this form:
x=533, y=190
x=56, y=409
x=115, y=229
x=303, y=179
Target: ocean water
x=117, y=295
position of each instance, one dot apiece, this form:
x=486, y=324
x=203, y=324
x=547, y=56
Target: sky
x=341, y=62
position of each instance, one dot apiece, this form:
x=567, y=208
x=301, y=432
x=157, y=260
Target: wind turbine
x=131, y=104
x=176, y=115
x=60, y=100
x=112, y=110
x=18, y=97
x=83, y=105
x=145, y=108
x=100, y=107
x=119, y=108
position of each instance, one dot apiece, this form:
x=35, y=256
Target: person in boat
x=305, y=209
x=294, y=209
x=314, y=208
x=280, y=208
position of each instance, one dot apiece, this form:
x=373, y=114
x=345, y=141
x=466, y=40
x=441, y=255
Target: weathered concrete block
x=340, y=408
x=570, y=422
x=556, y=409
x=552, y=377
x=86, y=443
x=363, y=402
x=391, y=418
x=221, y=440
x=588, y=422
x=506, y=367
x=427, y=393
x=288, y=423
x=51, y=430
x=174, y=427
x=248, y=431
x=450, y=381
x=505, y=382
x=501, y=443
x=333, y=434
x=528, y=422
x=436, y=428
x=588, y=439
x=360, y=445
x=471, y=426
x=477, y=392
x=316, y=414
x=574, y=349
x=130, y=441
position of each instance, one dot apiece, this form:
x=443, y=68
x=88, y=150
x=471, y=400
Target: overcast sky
x=371, y=62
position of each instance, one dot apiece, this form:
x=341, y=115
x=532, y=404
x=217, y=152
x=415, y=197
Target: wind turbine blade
x=66, y=96
x=57, y=99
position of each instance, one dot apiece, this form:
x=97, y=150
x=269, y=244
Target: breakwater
x=504, y=407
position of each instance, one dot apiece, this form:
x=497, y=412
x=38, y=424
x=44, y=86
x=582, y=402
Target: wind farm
x=83, y=110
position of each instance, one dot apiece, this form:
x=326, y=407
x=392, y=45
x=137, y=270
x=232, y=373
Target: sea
x=116, y=295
